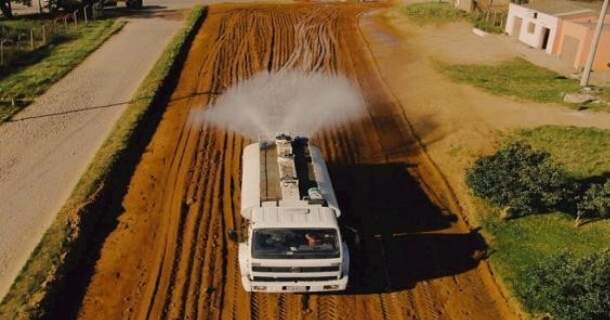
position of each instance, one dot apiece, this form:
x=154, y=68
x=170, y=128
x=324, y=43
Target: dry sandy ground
x=455, y=121
x=49, y=144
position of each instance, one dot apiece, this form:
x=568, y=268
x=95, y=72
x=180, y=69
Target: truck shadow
x=401, y=237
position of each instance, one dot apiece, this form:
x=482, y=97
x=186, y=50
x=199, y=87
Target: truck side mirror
x=232, y=234
x=354, y=233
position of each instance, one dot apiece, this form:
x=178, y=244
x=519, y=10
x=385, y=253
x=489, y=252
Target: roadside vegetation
x=568, y=287
x=439, y=13
x=64, y=243
x=32, y=73
x=521, y=79
x=550, y=176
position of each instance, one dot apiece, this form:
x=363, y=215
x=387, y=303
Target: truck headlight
x=331, y=287
x=259, y=288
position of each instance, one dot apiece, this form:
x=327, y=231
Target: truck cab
x=291, y=241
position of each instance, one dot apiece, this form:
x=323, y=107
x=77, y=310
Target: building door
x=569, y=49
x=546, y=32
x=517, y=22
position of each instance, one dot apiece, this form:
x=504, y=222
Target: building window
x=535, y=15
x=531, y=27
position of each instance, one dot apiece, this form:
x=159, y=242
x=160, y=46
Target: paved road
x=44, y=151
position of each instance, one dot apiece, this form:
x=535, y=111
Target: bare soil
x=169, y=256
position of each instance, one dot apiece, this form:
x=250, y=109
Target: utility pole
x=586, y=74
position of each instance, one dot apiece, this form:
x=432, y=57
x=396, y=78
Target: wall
x=602, y=58
x=584, y=33
x=576, y=31
x=542, y=20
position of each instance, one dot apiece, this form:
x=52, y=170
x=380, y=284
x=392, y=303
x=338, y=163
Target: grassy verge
x=439, y=13
x=50, y=64
x=520, y=244
x=65, y=243
x=433, y=13
x=518, y=78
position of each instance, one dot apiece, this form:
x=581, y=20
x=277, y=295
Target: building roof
x=563, y=7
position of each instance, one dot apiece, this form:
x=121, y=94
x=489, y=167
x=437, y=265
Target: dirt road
x=169, y=257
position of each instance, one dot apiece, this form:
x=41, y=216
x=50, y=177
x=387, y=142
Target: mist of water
x=292, y=102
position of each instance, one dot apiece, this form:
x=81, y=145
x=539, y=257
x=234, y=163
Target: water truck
x=291, y=241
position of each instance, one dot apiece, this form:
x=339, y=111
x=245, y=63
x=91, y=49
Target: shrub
x=595, y=202
x=520, y=178
x=569, y=288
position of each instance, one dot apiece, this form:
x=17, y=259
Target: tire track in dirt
x=413, y=260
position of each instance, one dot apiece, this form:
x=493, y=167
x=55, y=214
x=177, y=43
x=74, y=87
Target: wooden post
x=85, y=14
x=66, y=21
x=1, y=52
x=44, y=35
x=503, y=22
x=32, y=39
x=75, y=16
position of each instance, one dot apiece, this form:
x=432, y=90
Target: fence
x=16, y=43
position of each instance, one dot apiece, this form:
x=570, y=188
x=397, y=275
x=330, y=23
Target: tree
x=569, y=288
x=520, y=178
x=595, y=203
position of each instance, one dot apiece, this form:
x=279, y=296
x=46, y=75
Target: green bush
x=595, y=202
x=569, y=288
x=520, y=178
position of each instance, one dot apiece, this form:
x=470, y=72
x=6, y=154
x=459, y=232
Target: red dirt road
x=169, y=257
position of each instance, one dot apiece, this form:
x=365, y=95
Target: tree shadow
x=27, y=58
x=402, y=236
x=147, y=11
x=597, y=179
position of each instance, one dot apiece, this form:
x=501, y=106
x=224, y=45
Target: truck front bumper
x=294, y=286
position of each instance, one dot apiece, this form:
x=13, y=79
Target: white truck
x=291, y=241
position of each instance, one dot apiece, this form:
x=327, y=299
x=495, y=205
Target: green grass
x=520, y=79
x=517, y=77
x=440, y=13
x=583, y=152
x=433, y=13
x=520, y=244
x=32, y=286
x=23, y=26
x=51, y=64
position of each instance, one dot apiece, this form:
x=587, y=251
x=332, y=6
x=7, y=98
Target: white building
x=536, y=24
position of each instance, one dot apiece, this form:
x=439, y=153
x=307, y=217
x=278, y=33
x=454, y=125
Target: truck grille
x=294, y=279
x=296, y=269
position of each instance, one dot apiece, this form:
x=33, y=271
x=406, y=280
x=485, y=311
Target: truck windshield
x=295, y=244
